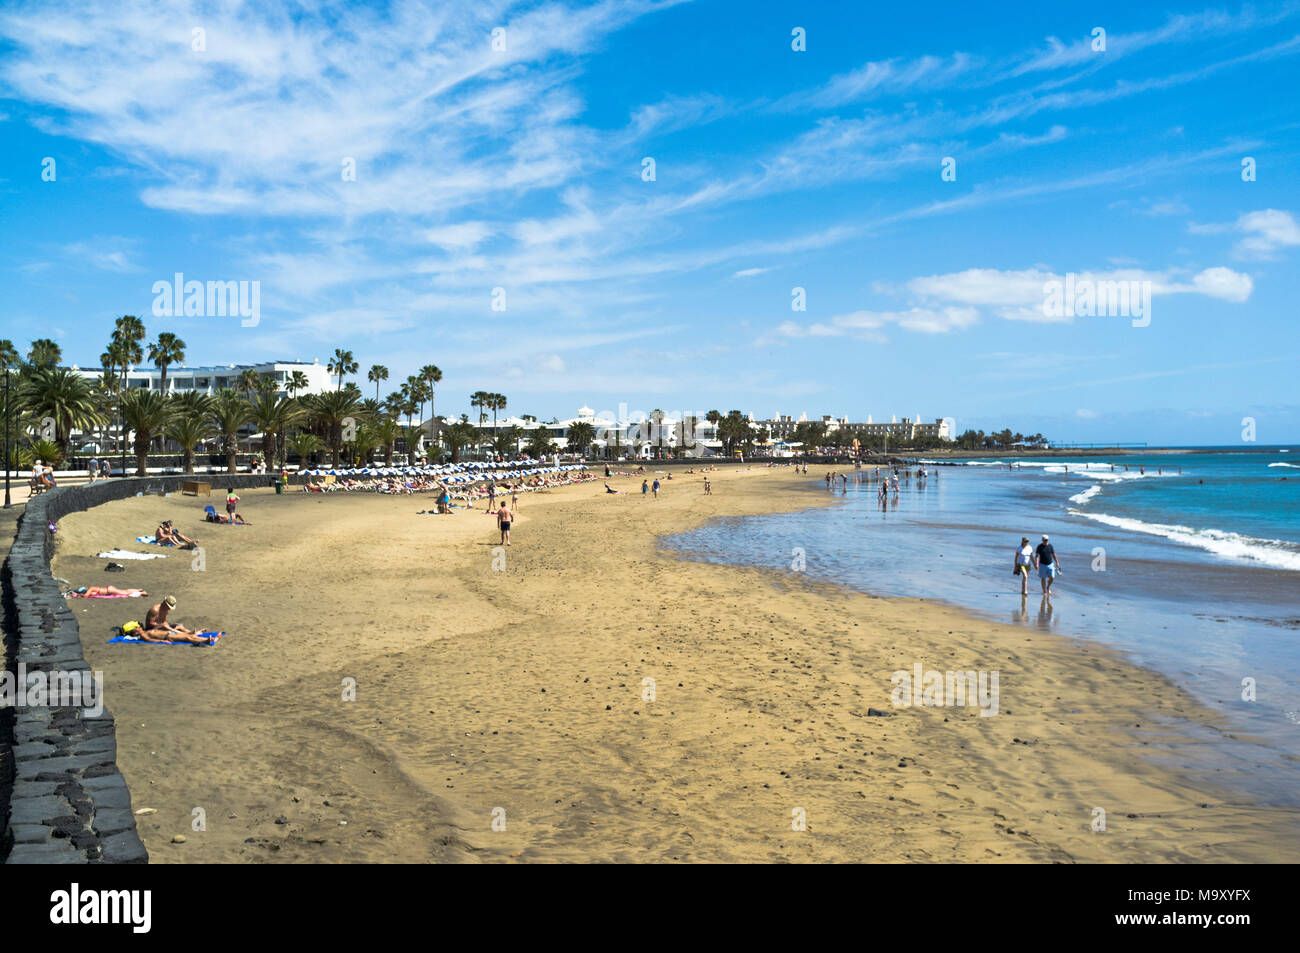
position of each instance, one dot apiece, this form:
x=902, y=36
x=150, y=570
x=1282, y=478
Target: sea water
x=1186, y=560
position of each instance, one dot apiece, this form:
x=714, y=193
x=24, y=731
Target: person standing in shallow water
x=1022, y=562
x=1049, y=566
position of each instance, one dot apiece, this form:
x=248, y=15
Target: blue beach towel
x=152, y=541
x=138, y=641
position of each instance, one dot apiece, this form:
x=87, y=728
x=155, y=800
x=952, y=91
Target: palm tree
x=60, y=395
x=190, y=424
x=431, y=375
x=296, y=382
x=128, y=332
x=304, y=445
x=44, y=353
x=479, y=399
x=273, y=415
x=496, y=402
x=388, y=430
x=394, y=406
x=419, y=393
x=249, y=381
x=229, y=413
x=146, y=412
x=9, y=354
x=330, y=409
x=167, y=350
x=377, y=374
x=506, y=442
x=342, y=364
x=411, y=437
x=580, y=436
x=459, y=436
x=540, y=443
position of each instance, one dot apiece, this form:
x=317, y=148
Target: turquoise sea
x=1188, y=560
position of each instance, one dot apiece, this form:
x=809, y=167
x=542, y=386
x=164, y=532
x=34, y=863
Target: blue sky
x=775, y=169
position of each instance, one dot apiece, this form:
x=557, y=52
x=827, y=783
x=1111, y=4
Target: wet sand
x=515, y=692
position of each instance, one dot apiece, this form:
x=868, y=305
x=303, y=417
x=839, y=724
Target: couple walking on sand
x=1042, y=558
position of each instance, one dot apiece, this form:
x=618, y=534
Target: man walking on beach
x=1048, y=565
x=655, y=489
x=504, y=519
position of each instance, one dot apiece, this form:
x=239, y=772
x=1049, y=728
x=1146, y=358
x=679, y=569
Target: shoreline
x=764, y=684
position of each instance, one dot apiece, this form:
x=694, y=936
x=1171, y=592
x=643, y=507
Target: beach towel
x=152, y=541
x=78, y=595
x=136, y=640
x=123, y=554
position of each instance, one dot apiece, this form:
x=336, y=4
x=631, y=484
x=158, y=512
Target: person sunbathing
x=104, y=592
x=167, y=533
x=158, y=629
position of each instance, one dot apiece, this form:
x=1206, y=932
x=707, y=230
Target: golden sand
x=516, y=695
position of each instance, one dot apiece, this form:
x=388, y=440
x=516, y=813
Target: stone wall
x=69, y=803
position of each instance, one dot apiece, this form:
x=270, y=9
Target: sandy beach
x=514, y=692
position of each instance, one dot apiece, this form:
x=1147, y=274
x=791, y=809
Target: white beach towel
x=123, y=554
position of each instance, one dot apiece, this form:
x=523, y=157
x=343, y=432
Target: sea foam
x=1275, y=553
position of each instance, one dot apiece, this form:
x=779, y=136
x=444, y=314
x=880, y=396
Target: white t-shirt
x=1026, y=555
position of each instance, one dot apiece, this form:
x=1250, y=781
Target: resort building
x=210, y=379
x=627, y=438
x=782, y=427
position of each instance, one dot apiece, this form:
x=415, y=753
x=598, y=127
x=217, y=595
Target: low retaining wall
x=69, y=803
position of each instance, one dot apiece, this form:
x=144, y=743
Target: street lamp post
x=7, y=460
x=121, y=416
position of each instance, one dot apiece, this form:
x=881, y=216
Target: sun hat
x=171, y=601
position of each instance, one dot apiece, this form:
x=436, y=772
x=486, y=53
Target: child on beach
x=232, y=504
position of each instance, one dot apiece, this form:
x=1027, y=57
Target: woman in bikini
x=106, y=592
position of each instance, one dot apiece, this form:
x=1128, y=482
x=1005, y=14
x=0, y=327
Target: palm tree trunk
x=232, y=450
x=433, y=424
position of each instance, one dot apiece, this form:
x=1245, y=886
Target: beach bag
x=114, y=567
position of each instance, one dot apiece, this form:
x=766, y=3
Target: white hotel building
x=210, y=379
x=782, y=427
